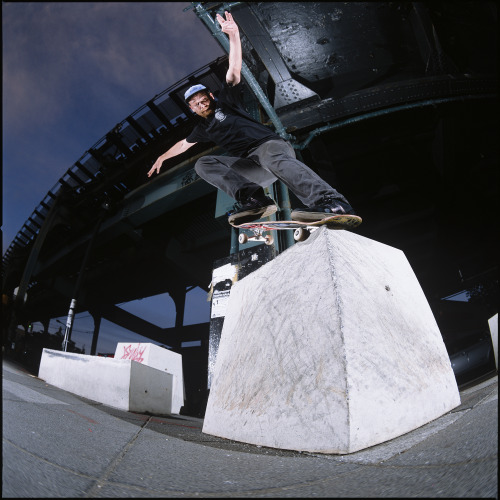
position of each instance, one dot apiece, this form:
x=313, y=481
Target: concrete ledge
x=331, y=347
x=160, y=358
x=123, y=384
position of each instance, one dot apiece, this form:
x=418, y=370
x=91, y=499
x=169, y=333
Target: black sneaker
x=326, y=208
x=252, y=209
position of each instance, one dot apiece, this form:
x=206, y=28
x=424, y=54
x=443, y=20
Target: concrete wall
x=331, y=347
x=160, y=358
x=123, y=384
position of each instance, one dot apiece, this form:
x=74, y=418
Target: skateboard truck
x=258, y=235
x=300, y=234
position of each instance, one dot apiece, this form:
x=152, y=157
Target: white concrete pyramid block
x=331, y=347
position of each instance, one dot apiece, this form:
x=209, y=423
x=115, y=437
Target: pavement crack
x=112, y=466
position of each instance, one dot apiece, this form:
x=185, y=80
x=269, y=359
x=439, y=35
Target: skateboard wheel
x=268, y=240
x=300, y=234
x=242, y=238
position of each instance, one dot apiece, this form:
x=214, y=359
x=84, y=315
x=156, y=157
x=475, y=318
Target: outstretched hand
x=227, y=25
x=157, y=166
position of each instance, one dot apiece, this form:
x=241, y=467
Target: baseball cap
x=193, y=90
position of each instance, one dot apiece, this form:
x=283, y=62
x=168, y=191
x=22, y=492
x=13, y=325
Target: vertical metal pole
x=69, y=325
x=284, y=201
x=235, y=246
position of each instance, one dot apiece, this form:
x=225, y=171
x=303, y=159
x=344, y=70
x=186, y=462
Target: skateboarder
x=258, y=156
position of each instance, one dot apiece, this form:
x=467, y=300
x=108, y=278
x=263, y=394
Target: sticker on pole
x=222, y=280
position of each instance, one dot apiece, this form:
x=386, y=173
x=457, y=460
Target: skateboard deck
x=302, y=230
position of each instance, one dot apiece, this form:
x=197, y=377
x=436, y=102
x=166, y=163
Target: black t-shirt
x=230, y=126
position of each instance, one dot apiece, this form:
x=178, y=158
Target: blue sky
x=71, y=72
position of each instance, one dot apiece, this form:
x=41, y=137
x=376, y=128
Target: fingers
x=229, y=18
x=153, y=170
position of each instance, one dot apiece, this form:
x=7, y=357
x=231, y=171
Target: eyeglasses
x=199, y=103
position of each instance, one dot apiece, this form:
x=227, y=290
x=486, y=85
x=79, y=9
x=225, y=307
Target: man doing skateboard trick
x=258, y=156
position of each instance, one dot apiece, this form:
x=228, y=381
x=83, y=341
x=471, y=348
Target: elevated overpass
x=393, y=103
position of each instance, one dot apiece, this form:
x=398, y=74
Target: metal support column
x=72, y=307
x=179, y=298
x=286, y=209
x=45, y=323
x=235, y=246
x=97, y=325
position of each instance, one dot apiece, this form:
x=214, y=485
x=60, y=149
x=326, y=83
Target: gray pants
x=275, y=159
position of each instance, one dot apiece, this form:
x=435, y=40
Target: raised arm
x=175, y=150
x=228, y=26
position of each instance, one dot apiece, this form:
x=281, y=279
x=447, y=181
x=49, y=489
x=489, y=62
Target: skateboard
x=302, y=230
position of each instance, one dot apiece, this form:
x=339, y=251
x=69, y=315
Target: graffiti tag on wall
x=133, y=353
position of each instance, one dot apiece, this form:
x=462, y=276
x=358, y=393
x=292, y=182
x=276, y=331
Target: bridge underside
x=411, y=176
